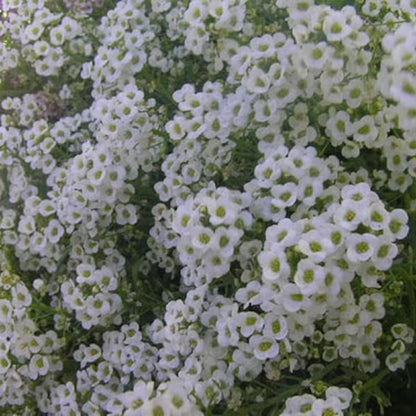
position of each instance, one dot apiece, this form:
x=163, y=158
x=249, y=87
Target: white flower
x=5, y=363
x=197, y=37
x=284, y=233
x=274, y=263
x=70, y=27
x=196, y=12
x=275, y=326
x=276, y=72
x=333, y=280
x=292, y=298
x=202, y=237
x=353, y=93
x=176, y=128
x=252, y=294
x=384, y=253
x=96, y=175
x=358, y=62
x=309, y=277
x=403, y=89
x=359, y=193
x=339, y=127
x=396, y=361
x=256, y=81
x=115, y=176
x=377, y=217
x=262, y=46
x=335, y=26
x=265, y=110
x=360, y=247
x=372, y=7
x=221, y=211
x=217, y=125
x=126, y=214
x=38, y=366
x=54, y=231
x=284, y=93
x=65, y=393
x=33, y=32
x=317, y=54
x=188, y=253
x=284, y=195
x=85, y=274
x=20, y=296
x=105, y=279
x=57, y=36
x=373, y=305
x=264, y=347
x=398, y=227
x=90, y=354
x=267, y=172
x=26, y=225
x=176, y=393
x=370, y=275
x=400, y=181
x=101, y=156
x=249, y=322
x=227, y=332
x=160, y=6
x=299, y=405
x=225, y=240
x=134, y=399
x=371, y=331
x=330, y=406
x=403, y=332
x=364, y=130
x=316, y=245
x=191, y=172
x=348, y=215
x=41, y=48
x=216, y=265
x=98, y=305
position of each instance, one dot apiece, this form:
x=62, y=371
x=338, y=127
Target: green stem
x=46, y=310
x=375, y=381
x=321, y=374
x=411, y=291
x=412, y=302
x=271, y=402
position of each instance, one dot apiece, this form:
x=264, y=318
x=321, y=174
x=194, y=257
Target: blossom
x=202, y=192
x=335, y=26
x=274, y=263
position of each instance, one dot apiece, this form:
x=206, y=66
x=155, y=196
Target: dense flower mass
x=206, y=207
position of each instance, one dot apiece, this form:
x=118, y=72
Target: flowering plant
x=207, y=207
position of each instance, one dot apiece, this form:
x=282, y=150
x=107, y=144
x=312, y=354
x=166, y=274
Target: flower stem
x=411, y=291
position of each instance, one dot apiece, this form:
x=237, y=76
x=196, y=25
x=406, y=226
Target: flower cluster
x=336, y=400
x=205, y=206
x=25, y=355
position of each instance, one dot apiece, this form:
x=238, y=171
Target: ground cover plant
x=207, y=207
